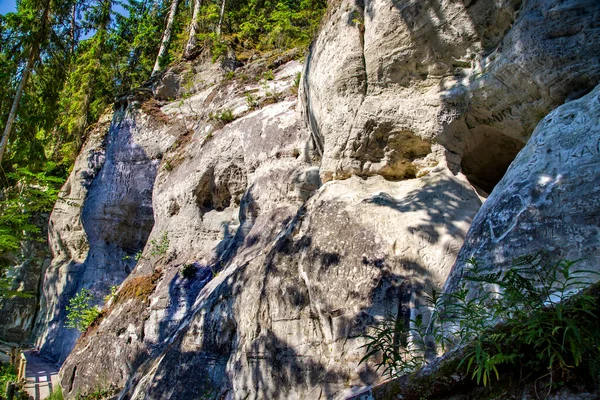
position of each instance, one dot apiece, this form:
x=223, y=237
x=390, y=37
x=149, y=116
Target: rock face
x=105, y=216
x=17, y=314
x=549, y=198
x=278, y=278
x=275, y=232
x=384, y=78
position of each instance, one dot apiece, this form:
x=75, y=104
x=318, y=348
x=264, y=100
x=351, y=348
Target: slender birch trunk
x=33, y=55
x=221, y=17
x=164, y=45
x=191, y=43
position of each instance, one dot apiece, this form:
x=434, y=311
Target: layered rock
x=258, y=280
x=476, y=77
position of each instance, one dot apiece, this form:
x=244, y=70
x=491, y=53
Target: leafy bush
x=8, y=373
x=539, y=324
x=251, y=101
x=81, y=313
x=268, y=75
x=398, y=355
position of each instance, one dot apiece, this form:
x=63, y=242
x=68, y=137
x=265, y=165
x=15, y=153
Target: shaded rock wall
x=106, y=216
x=18, y=314
x=548, y=200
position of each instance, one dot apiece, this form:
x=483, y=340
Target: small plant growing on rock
x=188, y=271
x=296, y=84
x=251, y=101
x=224, y=117
x=268, y=75
x=273, y=96
x=229, y=76
x=159, y=247
x=80, y=313
x=112, y=293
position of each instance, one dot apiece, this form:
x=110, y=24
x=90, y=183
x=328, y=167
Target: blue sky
x=7, y=6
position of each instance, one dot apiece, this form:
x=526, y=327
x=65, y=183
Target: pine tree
x=89, y=87
x=36, y=39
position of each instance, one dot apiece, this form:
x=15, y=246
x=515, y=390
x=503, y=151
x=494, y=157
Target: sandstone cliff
x=271, y=242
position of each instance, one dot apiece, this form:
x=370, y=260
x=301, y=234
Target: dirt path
x=42, y=376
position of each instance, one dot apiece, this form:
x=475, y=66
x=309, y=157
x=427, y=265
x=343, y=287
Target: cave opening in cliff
x=486, y=163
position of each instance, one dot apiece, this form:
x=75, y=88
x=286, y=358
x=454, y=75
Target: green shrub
x=229, y=76
x=80, y=313
x=8, y=373
x=111, y=295
x=543, y=327
x=268, y=75
x=251, y=101
x=224, y=116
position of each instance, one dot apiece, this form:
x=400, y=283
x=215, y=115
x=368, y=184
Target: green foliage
x=276, y=25
x=389, y=339
x=225, y=116
x=272, y=94
x=8, y=373
x=543, y=327
x=159, y=247
x=101, y=392
x=297, y=79
x=111, y=295
x=139, y=255
x=251, y=101
x=26, y=197
x=229, y=76
x=268, y=75
x=534, y=298
x=56, y=394
x=81, y=313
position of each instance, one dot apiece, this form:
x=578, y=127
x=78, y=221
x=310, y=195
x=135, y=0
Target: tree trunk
x=191, y=43
x=73, y=29
x=164, y=45
x=33, y=55
x=221, y=17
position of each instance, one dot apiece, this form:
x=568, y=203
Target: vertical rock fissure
x=309, y=118
x=361, y=31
